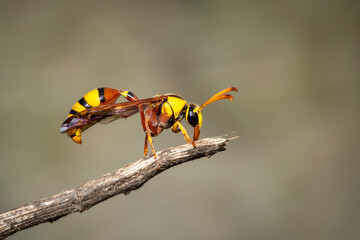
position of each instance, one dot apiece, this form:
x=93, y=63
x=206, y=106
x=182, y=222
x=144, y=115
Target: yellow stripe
x=92, y=98
x=78, y=107
x=167, y=109
x=124, y=93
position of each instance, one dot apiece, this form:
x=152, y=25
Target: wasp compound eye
x=192, y=116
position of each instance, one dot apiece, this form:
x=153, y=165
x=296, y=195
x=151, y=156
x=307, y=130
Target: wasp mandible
x=157, y=113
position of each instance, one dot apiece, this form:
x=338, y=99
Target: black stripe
x=84, y=103
x=101, y=95
x=72, y=111
x=173, y=114
x=130, y=94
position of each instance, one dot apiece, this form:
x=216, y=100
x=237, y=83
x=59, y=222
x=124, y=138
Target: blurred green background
x=292, y=174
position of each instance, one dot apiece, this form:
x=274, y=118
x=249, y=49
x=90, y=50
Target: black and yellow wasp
x=157, y=113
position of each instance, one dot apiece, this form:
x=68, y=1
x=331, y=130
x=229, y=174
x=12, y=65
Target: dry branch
x=123, y=180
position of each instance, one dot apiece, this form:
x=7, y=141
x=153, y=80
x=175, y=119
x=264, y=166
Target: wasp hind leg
x=177, y=127
x=149, y=128
x=146, y=145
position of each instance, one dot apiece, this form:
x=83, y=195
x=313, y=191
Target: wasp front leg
x=177, y=127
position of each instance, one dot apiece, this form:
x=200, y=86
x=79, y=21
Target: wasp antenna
x=219, y=96
x=225, y=91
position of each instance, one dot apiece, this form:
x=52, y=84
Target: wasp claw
x=157, y=162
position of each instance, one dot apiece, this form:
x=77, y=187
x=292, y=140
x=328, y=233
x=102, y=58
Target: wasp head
x=193, y=112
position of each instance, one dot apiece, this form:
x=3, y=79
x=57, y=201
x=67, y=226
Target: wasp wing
x=105, y=114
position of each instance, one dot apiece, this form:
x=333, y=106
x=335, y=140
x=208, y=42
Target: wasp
x=157, y=113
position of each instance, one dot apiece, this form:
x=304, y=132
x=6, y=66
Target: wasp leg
x=177, y=127
x=146, y=145
x=148, y=126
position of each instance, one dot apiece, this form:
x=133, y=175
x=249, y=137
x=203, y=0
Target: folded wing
x=104, y=114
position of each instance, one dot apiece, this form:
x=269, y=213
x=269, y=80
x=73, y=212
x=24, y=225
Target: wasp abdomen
x=94, y=98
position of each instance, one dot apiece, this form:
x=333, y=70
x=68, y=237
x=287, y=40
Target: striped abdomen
x=94, y=98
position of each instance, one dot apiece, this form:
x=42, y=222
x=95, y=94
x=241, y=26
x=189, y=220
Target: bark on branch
x=123, y=180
